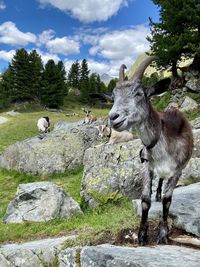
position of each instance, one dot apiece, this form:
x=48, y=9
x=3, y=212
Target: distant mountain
x=106, y=78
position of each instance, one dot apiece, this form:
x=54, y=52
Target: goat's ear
x=158, y=88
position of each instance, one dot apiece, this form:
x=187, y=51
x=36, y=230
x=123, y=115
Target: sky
x=106, y=33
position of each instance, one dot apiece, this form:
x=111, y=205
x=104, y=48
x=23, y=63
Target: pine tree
x=21, y=76
x=73, y=77
x=53, y=85
x=177, y=33
x=84, y=80
x=111, y=85
x=35, y=77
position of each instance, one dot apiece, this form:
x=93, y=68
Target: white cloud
x=64, y=46
x=2, y=5
x=9, y=34
x=88, y=10
x=98, y=67
x=7, y=55
x=121, y=44
x=47, y=56
x=45, y=36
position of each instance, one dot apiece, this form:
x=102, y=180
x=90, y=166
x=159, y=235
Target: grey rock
x=192, y=170
x=165, y=256
x=112, y=168
x=193, y=84
x=69, y=257
x=56, y=152
x=184, y=210
x=37, y=253
x=188, y=104
x=41, y=201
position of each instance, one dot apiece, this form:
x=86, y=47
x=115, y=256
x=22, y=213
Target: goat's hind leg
x=146, y=204
x=163, y=230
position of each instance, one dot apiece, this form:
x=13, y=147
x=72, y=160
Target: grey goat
x=166, y=136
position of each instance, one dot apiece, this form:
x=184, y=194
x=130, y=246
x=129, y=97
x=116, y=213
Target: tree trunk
x=174, y=69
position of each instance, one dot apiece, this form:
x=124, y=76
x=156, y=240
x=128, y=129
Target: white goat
x=43, y=124
x=114, y=136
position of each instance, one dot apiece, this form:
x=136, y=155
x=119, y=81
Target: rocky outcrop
x=184, y=210
x=112, y=168
x=188, y=104
x=56, y=152
x=48, y=252
x=112, y=256
x=41, y=201
x=37, y=253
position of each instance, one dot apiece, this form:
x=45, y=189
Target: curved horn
x=141, y=69
x=121, y=73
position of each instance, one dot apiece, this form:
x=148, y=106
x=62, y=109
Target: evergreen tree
x=53, y=85
x=73, y=77
x=93, y=83
x=177, y=33
x=111, y=85
x=35, y=77
x=20, y=71
x=84, y=80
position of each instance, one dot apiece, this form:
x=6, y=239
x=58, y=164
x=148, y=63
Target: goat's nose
x=113, y=116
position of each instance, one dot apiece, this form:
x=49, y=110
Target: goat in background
x=89, y=118
x=114, y=136
x=166, y=136
x=43, y=124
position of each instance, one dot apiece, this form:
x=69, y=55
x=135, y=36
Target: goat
x=166, y=136
x=43, y=124
x=114, y=136
x=89, y=118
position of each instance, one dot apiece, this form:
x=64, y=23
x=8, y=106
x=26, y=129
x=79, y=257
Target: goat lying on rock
x=43, y=124
x=167, y=139
x=114, y=136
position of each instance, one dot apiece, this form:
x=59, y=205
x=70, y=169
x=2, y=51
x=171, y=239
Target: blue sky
x=105, y=32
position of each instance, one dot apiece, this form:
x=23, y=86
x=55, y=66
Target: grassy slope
x=111, y=217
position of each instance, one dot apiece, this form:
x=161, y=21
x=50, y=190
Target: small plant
x=107, y=197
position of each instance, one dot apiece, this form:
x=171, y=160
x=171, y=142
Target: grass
x=110, y=217
x=97, y=222
x=23, y=126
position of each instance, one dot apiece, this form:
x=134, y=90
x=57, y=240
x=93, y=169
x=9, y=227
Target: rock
x=12, y=113
x=112, y=168
x=41, y=201
x=196, y=123
x=188, y=104
x=192, y=170
x=69, y=257
x=184, y=210
x=3, y=119
x=67, y=126
x=113, y=256
x=56, y=152
x=37, y=253
x=187, y=240
x=193, y=84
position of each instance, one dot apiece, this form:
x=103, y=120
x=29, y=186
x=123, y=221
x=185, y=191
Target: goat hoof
x=142, y=236
x=162, y=237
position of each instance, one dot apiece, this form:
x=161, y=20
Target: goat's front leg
x=159, y=190
x=146, y=204
x=163, y=230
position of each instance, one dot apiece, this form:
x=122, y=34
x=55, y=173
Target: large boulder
x=184, y=210
x=188, y=105
x=40, y=201
x=55, y=152
x=114, y=256
x=112, y=168
x=38, y=253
